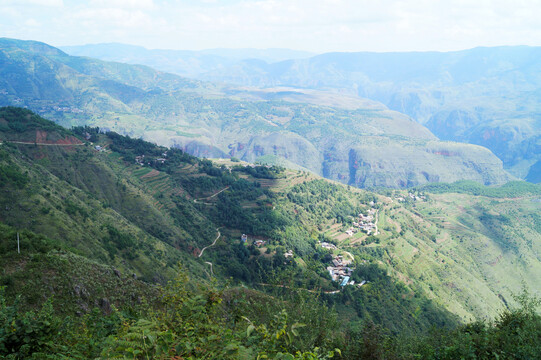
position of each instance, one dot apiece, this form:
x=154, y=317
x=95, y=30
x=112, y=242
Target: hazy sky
x=314, y=25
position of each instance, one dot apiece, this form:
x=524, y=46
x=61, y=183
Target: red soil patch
x=41, y=138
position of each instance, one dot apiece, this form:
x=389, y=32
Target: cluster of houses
x=326, y=245
x=69, y=109
x=140, y=160
x=340, y=271
x=258, y=242
x=412, y=196
x=365, y=223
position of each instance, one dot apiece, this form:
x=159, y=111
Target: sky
x=312, y=25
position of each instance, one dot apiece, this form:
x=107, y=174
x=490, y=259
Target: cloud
x=32, y=23
x=48, y=3
x=123, y=4
x=316, y=25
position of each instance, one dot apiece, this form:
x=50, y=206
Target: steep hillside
x=56, y=185
x=134, y=216
x=357, y=142
x=483, y=96
x=89, y=215
x=468, y=246
x=100, y=224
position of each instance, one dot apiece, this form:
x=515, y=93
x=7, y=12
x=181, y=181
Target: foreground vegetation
x=220, y=324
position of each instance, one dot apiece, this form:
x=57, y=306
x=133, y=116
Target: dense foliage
x=18, y=120
x=214, y=323
x=510, y=189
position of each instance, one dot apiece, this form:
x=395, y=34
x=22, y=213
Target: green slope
x=466, y=252
x=89, y=219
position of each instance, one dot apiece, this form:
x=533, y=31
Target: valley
x=487, y=96
x=484, y=96
x=147, y=215
x=209, y=120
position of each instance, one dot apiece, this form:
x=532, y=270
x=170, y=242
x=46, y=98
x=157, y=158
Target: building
x=345, y=281
x=244, y=238
x=327, y=245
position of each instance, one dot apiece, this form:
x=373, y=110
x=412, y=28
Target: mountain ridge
x=204, y=120
x=190, y=63
x=496, y=89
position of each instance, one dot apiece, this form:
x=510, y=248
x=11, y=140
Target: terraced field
x=159, y=186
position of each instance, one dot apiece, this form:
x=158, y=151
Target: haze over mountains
x=182, y=62
x=484, y=96
x=345, y=138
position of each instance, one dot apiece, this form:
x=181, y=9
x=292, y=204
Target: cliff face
x=400, y=165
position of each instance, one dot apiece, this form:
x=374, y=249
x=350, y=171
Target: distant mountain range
x=182, y=62
x=352, y=140
x=484, y=96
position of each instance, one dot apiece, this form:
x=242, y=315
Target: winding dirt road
x=214, y=243
x=211, y=196
x=42, y=144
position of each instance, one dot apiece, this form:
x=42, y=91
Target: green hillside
x=133, y=216
x=102, y=228
x=351, y=140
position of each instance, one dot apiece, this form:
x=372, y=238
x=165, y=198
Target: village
x=412, y=196
x=341, y=269
x=367, y=223
x=140, y=160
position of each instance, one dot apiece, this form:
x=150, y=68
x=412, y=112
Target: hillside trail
x=211, y=273
x=214, y=243
x=210, y=197
x=349, y=254
x=42, y=144
x=206, y=247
